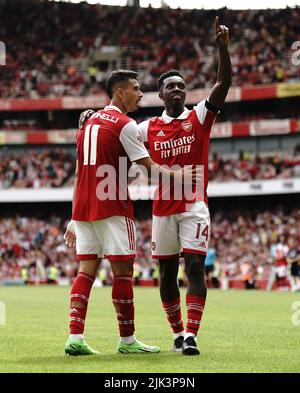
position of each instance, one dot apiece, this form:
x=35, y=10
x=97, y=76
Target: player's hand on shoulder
x=84, y=116
x=69, y=236
x=221, y=33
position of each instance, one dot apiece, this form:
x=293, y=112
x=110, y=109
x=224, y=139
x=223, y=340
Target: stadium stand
x=38, y=169
x=254, y=146
x=54, y=168
x=240, y=237
x=68, y=58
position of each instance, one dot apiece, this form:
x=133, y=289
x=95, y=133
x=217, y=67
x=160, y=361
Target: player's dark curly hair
x=167, y=75
x=118, y=76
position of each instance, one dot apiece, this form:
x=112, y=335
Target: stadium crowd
x=244, y=242
x=248, y=167
x=36, y=169
x=55, y=168
x=49, y=50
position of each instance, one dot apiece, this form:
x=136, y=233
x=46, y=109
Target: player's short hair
x=118, y=76
x=166, y=75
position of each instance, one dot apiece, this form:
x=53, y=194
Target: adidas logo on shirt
x=160, y=133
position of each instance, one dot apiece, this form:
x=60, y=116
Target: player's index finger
x=217, y=23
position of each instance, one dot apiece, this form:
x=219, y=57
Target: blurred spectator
x=215, y=279
x=294, y=264
x=210, y=260
x=247, y=272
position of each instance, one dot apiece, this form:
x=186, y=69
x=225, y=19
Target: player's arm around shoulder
x=84, y=116
x=220, y=89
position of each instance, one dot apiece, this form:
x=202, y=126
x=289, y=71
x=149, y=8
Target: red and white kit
x=180, y=225
x=103, y=221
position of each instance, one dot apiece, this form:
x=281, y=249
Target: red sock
x=195, y=307
x=80, y=292
x=122, y=297
x=173, y=310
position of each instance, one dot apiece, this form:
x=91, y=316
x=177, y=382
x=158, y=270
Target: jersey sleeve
x=143, y=127
x=206, y=114
x=131, y=139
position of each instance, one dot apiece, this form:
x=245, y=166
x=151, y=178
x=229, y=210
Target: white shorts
x=113, y=238
x=187, y=232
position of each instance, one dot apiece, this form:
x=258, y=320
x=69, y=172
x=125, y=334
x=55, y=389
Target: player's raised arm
x=220, y=90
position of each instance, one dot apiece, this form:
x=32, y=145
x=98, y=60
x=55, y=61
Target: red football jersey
x=110, y=141
x=181, y=141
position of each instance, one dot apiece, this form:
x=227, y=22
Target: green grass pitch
x=242, y=331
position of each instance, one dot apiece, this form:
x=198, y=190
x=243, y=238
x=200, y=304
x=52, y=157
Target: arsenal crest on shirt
x=187, y=125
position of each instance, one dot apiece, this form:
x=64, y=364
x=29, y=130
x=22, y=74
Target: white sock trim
x=76, y=336
x=128, y=340
x=176, y=335
x=190, y=335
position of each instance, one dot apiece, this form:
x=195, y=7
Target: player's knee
x=124, y=271
x=129, y=271
x=163, y=275
x=122, y=268
x=89, y=267
x=194, y=266
x=168, y=272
